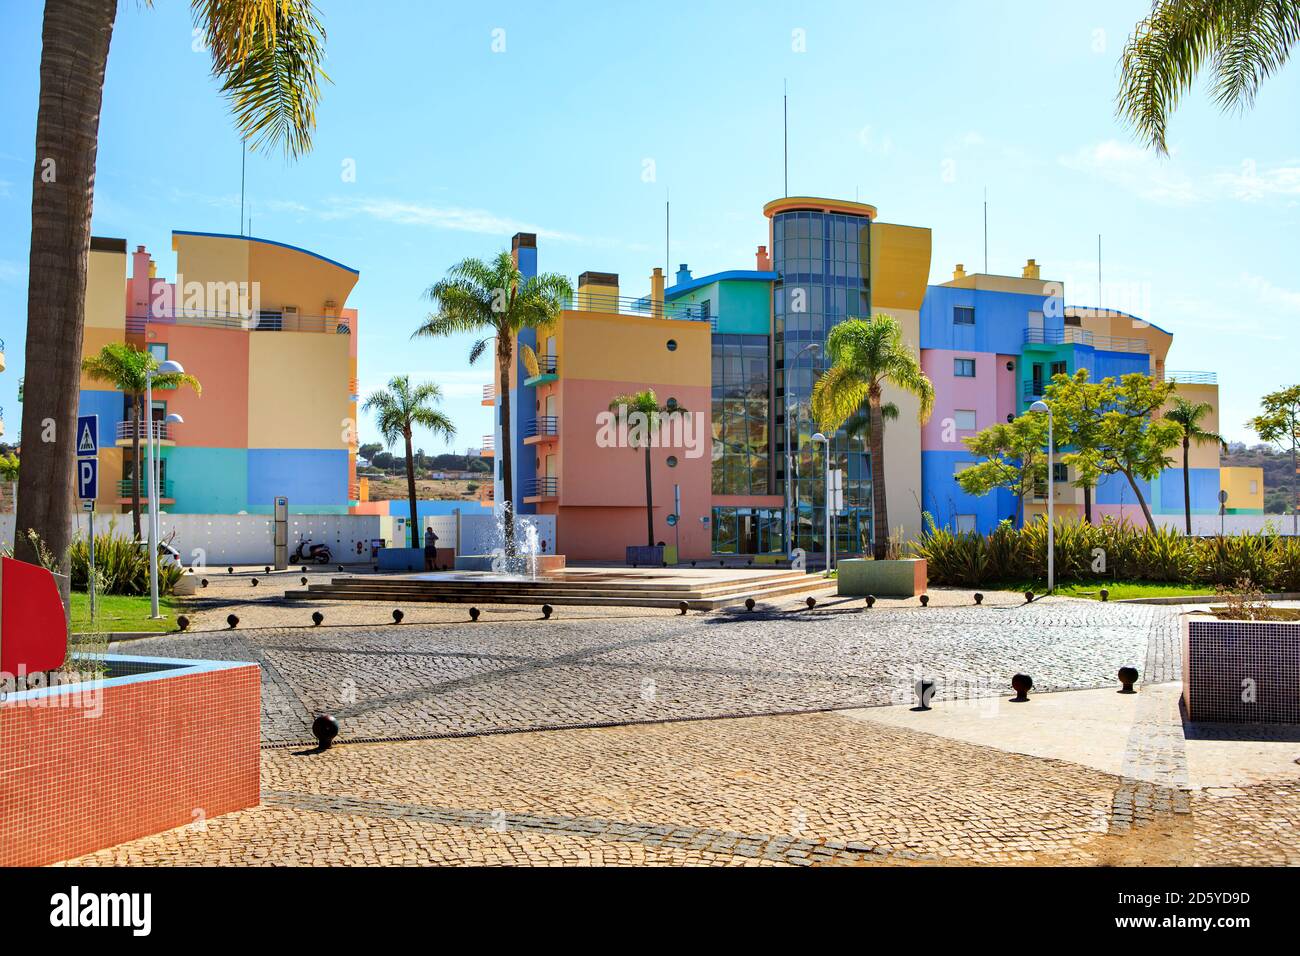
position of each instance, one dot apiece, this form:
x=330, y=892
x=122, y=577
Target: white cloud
x=1134, y=169
x=409, y=213
x=1249, y=184
x=1270, y=295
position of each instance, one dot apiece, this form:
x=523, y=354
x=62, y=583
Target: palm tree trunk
x=1087, y=504
x=410, y=493
x=1146, y=511
x=1187, y=485
x=504, y=354
x=649, y=502
x=880, y=516
x=136, y=404
x=75, y=38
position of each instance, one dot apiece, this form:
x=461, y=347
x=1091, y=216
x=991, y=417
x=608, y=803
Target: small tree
x=1077, y=405
x=1279, y=424
x=398, y=410
x=1130, y=438
x=641, y=434
x=1189, y=415
x=1014, y=458
x=866, y=355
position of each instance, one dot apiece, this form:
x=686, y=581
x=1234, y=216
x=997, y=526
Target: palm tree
x=1189, y=415
x=267, y=55
x=1242, y=41
x=400, y=408
x=124, y=367
x=496, y=299
x=642, y=432
x=865, y=355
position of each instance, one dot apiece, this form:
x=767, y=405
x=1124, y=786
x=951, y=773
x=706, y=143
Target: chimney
x=763, y=260
x=959, y=272
x=598, y=292
x=683, y=274
x=657, y=292
x=1030, y=271
x=523, y=249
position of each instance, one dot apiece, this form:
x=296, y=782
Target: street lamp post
x=166, y=368
x=1041, y=407
x=791, y=492
x=820, y=439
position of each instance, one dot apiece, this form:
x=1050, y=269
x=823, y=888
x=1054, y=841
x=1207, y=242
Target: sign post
x=88, y=490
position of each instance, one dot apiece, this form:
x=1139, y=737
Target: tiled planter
x=859, y=577
x=158, y=744
x=1241, y=671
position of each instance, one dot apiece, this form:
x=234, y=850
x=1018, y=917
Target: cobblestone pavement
x=388, y=681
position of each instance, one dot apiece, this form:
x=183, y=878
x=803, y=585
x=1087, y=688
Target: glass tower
x=822, y=254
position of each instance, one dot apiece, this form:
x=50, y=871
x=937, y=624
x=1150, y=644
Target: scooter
x=320, y=553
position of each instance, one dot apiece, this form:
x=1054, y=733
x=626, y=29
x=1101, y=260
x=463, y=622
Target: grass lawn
x=1119, y=590
x=122, y=613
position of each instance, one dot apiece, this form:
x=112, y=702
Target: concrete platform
x=702, y=589
x=1114, y=733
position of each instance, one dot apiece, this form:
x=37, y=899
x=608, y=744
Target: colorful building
x=265, y=329
x=746, y=345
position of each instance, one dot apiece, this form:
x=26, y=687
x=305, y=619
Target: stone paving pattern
x=802, y=788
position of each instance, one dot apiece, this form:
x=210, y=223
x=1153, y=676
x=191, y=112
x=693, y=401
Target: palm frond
x=269, y=56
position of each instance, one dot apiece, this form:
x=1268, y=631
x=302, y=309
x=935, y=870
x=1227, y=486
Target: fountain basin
x=542, y=563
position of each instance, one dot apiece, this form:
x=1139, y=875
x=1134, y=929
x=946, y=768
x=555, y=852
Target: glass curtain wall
x=824, y=263
x=740, y=414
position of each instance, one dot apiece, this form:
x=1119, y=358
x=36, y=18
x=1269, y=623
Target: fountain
x=529, y=559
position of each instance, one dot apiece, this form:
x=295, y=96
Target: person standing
x=430, y=549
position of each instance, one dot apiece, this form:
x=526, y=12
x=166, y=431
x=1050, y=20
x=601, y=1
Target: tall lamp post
x=820, y=439
x=791, y=493
x=165, y=368
x=1042, y=407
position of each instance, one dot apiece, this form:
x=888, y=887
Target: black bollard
x=325, y=728
x=547, y=610
x=1022, y=684
x=317, y=617
x=182, y=623
x=232, y=620
x=397, y=616
x=473, y=614
x=979, y=598
x=1128, y=677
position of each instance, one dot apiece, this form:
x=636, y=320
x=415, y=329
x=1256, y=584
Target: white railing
x=127, y=431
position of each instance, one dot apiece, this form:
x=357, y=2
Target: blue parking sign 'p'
x=87, y=478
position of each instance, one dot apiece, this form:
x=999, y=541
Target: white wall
x=478, y=532
x=1232, y=524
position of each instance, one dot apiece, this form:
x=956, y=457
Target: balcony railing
x=489, y=394
x=548, y=426
x=127, y=431
x=1074, y=336
x=548, y=364
x=1192, y=378
x=1034, y=390
x=261, y=320
x=489, y=446
x=625, y=305
x=124, y=489
x=543, y=487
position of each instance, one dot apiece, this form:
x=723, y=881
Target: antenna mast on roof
x=1098, y=272
x=668, y=221
x=243, y=162
x=986, y=230
x=785, y=134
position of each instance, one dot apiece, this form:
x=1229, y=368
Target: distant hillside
x=1277, y=472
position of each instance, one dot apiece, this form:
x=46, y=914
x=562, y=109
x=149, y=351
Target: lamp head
x=820, y=438
x=1039, y=407
x=174, y=419
x=170, y=367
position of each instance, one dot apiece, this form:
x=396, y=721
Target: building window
x=963, y=315
x=963, y=368
x=961, y=466
x=1254, y=487
x=159, y=351
x=1060, y=473
x=672, y=345
x=966, y=523
x=672, y=461
x=964, y=419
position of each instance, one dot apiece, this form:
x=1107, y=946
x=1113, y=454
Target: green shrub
x=122, y=565
x=967, y=559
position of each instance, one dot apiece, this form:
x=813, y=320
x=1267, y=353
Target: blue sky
x=916, y=108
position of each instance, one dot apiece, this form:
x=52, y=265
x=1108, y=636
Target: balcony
x=261, y=320
x=487, y=493
x=127, y=432
x=489, y=395
x=489, y=446
x=1192, y=378
x=644, y=307
x=1033, y=391
x=548, y=368
x=540, y=489
x=541, y=431
x=124, y=491
x=1075, y=336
